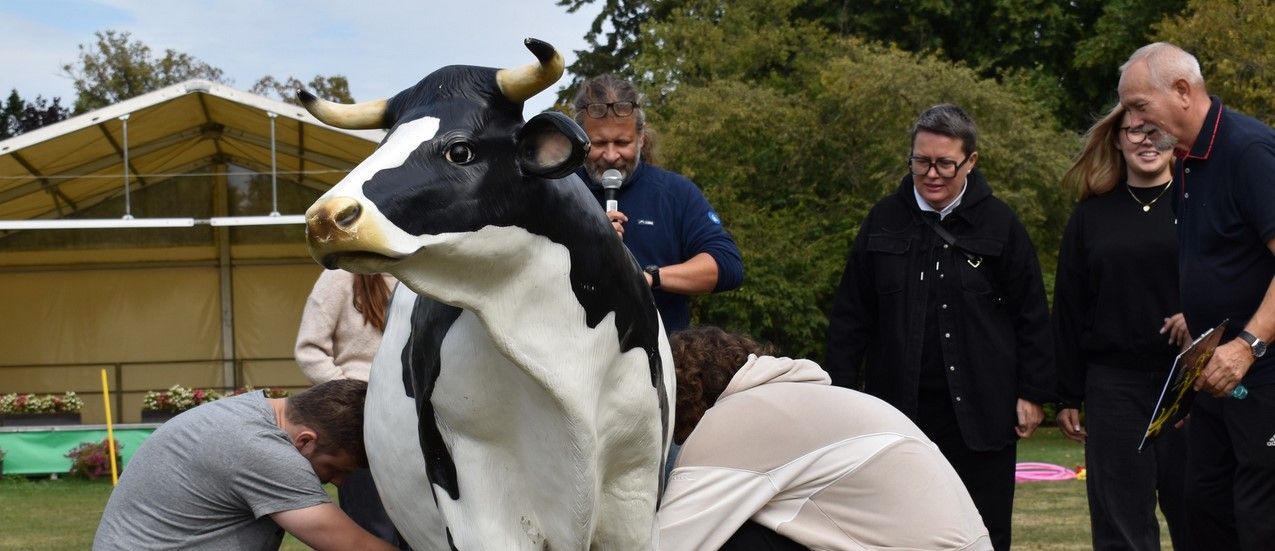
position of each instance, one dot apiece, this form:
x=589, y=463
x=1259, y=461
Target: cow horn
x=359, y=116
x=520, y=84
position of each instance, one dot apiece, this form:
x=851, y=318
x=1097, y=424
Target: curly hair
x=706, y=358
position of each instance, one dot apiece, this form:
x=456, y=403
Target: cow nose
x=348, y=213
x=332, y=218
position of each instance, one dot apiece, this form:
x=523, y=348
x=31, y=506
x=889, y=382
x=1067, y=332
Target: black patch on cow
x=422, y=362
x=450, y=544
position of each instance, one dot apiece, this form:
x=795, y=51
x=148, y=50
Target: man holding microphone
x=663, y=218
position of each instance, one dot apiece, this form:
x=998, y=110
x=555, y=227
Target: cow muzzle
x=340, y=236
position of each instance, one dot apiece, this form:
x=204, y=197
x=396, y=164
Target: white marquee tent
x=211, y=298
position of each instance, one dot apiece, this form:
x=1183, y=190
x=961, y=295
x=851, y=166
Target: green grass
x=62, y=515
x=52, y=515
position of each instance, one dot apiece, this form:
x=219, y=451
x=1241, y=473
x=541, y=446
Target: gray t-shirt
x=209, y=479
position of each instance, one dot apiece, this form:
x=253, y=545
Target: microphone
x=611, y=180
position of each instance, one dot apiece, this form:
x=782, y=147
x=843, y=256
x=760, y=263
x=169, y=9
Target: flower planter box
x=39, y=419
x=157, y=416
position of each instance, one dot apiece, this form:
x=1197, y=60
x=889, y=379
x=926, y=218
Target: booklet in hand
x=1179, y=392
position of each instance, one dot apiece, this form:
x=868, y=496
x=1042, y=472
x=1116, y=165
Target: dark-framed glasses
x=946, y=168
x=620, y=108
x=1137, y=134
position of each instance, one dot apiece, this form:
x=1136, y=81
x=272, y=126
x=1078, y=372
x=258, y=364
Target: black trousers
x=1230, y=483
x=987, y=475
x=755, y=537
x=1123, y=483
x=360, y=500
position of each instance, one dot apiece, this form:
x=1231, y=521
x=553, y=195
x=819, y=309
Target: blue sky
x=381, y=46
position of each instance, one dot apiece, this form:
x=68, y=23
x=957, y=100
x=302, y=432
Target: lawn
x=50, y=515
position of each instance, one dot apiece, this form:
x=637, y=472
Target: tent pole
x=225, y=277
x=128, y=205
x=274, y=169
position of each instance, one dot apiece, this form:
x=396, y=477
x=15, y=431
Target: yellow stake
x=110, y=431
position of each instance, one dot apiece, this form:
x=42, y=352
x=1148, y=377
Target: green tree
x=334, y=88
x=794, y=133
x=1235, y=43
x=1123, y=26
x=18, y=116
x=1062, y=53
x=610, y=51
x=115, y=68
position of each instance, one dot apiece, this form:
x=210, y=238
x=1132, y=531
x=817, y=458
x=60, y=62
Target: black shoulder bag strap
x=973, y=259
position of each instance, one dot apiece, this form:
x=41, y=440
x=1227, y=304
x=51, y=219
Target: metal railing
x=127, y=380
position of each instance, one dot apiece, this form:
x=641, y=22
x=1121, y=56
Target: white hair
x=1166, y=64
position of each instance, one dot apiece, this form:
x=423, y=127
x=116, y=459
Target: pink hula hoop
x=1042, y=472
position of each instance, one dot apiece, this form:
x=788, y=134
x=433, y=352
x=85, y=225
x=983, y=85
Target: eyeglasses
x=620, y=108
x=1137, y=134
x=946, y=168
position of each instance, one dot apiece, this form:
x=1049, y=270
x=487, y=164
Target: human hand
x=1175, y=326
x=1069, y=422
x=617, y=219
x=1030, y=414
x=1225, y=369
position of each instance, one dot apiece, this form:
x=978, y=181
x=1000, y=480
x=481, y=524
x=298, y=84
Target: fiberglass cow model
x=528, y=390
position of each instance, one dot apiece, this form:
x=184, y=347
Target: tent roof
x=63, y=168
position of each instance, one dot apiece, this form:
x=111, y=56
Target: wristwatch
x=655, y=275
x=1256, y=344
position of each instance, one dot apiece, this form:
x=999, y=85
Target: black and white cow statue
x=522, y=395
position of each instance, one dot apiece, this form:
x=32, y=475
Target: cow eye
x=459, y=153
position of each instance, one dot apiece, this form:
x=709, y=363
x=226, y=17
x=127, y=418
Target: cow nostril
x=348, y=215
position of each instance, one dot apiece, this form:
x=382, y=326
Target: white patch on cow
x=400, y=144
x=555, y=433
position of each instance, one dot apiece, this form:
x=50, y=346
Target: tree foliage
x=334, y=88
x=610, y=51
x=794, y=133
x=1063, y=53
x=18, y=115
x=1235, y=43
x=115, y=68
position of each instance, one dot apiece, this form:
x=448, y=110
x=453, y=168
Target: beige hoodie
x=825, y=466
x=333, y=342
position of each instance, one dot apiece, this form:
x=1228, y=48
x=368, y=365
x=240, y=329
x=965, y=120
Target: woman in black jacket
x=941, y=311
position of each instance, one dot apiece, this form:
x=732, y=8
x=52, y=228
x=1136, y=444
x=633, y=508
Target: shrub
x=92, y=459
x=40, y=403
x=271, y=392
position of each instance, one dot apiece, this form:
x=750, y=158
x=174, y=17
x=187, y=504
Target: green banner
x=37, y=452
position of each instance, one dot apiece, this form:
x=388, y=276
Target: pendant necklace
x=1146, y=207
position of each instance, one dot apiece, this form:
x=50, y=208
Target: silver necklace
x=1146, y=207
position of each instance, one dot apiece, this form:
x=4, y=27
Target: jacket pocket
x=978, y=279
x=889, y=262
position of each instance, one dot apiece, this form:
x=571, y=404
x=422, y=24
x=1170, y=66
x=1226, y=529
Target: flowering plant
x=177, y=398
x=40, y=403
x=92, y=459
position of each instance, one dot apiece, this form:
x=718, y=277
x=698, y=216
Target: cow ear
x=551, y=145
